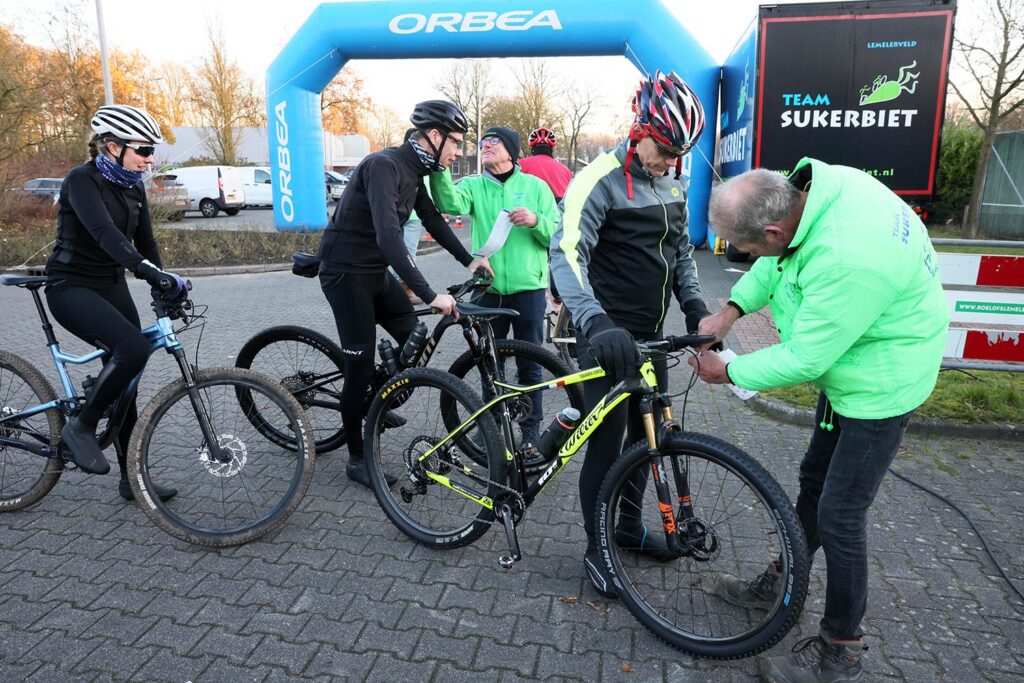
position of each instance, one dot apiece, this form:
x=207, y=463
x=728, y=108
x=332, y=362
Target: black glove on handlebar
x=169, y=285
x=613, y=347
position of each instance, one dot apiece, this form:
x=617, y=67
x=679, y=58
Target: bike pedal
x=506, y=561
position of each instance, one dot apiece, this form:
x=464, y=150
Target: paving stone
x=219, y=643
x=341, y=665
x=167, y=666
x=175, y=637
x=287, y=656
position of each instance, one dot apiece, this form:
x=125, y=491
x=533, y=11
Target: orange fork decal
x=668, y=519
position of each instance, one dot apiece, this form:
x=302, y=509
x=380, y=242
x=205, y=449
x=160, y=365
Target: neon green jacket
x=522, y=263
x=857, y=300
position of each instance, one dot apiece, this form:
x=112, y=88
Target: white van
x=212, y=189
x=256, y=183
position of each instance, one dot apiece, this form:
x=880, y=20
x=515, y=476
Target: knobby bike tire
x=38, y=475
x=194, y=459
x=387, y=453
x=564, y=329
x=636, y=582
x=511, y=349
x=294, y=372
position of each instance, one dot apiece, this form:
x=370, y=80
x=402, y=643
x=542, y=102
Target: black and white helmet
x=126, y=123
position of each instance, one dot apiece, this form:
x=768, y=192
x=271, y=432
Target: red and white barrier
x=970, y=309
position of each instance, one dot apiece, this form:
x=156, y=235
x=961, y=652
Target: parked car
x=256, y=184
x=335, y=185
x=168, y=195
x=212, y=189
x=47, y=188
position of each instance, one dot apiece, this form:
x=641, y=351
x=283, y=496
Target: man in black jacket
x=621, y=250
x=365, y=237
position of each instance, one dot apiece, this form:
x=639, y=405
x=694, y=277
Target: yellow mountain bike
x=719, y=511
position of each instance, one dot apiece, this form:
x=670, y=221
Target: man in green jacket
x=504, y=195
x=852, y=281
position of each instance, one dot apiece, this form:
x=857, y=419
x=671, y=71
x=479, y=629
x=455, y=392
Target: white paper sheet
x=499, y=233
x=727, y=355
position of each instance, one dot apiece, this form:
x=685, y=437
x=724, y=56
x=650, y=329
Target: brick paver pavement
x=90, y=590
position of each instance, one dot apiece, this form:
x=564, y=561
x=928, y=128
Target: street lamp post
x=108, y=91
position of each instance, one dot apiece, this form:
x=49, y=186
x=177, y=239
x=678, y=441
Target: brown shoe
x=412, y=297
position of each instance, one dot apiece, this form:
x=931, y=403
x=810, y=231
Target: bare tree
x=992, y=57
x=466, y=83
x=536, y=82
x=575, y=110
x=224, y=99
x=385, y=128
x=343, y=103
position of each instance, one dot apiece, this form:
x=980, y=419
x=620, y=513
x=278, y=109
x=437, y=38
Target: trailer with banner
x=855, y=83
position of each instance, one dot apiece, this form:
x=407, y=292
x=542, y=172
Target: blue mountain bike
x=196, y=435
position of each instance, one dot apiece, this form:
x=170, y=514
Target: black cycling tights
x=360, y=301
x=105, y=316
x=606, y=443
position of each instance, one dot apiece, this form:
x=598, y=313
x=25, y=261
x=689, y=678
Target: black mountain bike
x=714, y=507
x=311, y=366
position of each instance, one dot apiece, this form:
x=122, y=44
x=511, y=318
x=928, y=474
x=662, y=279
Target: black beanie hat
x=509, y=138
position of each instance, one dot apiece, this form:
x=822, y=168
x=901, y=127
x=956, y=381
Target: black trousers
x=360, y=302
x=105, y=316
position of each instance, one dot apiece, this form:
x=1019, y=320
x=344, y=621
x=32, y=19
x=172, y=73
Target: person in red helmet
x=620, y=251
x=542, y=164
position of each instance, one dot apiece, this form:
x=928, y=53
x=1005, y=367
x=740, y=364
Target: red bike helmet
x=542, y=136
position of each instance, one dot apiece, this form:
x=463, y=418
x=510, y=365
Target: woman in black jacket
x=104, y=228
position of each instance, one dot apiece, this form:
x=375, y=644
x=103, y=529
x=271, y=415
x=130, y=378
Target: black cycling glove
x=169, y=285
x=613, y=347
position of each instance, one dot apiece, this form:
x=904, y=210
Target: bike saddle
x=23, y=280
x=306, y=265
x=486, y=312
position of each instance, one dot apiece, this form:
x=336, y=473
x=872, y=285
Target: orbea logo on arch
x=456, y=22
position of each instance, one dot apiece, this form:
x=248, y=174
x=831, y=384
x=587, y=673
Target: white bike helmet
x=126, y=123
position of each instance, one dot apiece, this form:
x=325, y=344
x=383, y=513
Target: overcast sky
x=256, y=30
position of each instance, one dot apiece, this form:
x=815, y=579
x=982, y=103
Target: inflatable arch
x=643, y=31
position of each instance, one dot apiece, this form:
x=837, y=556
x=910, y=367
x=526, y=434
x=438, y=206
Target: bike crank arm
x=504, y=513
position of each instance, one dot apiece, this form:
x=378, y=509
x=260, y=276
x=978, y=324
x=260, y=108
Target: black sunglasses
x=674, y=152
x=141, y=150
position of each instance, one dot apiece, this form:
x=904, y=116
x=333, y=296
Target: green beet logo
x=884, y=90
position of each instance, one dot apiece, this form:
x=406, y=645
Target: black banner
x=865, y=90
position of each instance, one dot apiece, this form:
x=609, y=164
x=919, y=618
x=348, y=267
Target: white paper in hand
x=727, y=355
x=499, y=233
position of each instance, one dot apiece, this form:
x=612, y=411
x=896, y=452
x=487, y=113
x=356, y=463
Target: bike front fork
x=678, y=540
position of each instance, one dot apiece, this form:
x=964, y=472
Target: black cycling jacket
x=97, y=224
x=365, y=234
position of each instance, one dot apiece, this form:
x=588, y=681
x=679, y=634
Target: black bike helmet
x=439, y=114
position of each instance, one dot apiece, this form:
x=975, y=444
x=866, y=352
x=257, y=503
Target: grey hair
x=741, y=208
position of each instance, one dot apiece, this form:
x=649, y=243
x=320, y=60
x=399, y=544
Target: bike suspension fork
x=197, y=406
x=665, y=508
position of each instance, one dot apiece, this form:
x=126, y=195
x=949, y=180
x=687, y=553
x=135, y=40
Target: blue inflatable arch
x=643, y=31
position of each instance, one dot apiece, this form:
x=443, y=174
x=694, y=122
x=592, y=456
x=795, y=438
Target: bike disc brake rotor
x=232, y=445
